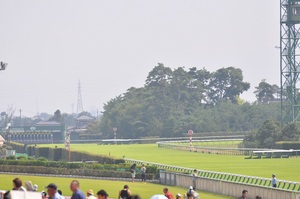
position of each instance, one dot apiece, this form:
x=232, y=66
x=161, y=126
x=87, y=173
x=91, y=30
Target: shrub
x=65, y=171
x=11, y=157
x=71, y=165
x=30, y=158
x=43, y=159
x=288, y=145
x=19, y=148
x=63, y=155
x=22, y=157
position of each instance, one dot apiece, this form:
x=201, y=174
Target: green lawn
x=285, y=169
x=112, y=187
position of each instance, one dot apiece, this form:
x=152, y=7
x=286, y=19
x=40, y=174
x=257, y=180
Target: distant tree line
x=173, y=101
x=269, y=133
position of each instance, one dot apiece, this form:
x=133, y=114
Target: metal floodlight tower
x=290, y=60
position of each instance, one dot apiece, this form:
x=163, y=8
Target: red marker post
x=190, y=132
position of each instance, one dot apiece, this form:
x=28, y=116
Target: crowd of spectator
x=52, y=191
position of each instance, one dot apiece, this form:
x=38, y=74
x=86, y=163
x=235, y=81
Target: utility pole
x=21, y=117
x=79, y=99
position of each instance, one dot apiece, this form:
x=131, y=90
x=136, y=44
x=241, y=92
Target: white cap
x=35, y=187
x=191, y=187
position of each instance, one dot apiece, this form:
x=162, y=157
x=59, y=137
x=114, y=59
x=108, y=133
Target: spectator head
x=44, y=194
x=74, y=186
x=102, y=194
x=195, y=170
x=273, y=175
x=51, y=189
x=178, y=196
x=126, y=186
x=191, y=187
x=7, y=195
x=244, y=193
x=258, y=197
x=143, y=165
x=29, y=186
x=165, y=190
x=17, y=183
x=35, y=187
x=135, y=197
x=90, y=192
x=60, y=192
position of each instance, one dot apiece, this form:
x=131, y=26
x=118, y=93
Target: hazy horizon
x=111, y=46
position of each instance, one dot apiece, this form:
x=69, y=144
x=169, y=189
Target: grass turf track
x=285, y=169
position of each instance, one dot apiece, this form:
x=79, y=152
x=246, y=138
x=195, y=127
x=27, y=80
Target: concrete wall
x=225, y=188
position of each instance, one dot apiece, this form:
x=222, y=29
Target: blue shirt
x=78, y=195
x=274, y=181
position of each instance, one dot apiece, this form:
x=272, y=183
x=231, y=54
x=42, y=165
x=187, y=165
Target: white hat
x=35, y=187
x=191, y=187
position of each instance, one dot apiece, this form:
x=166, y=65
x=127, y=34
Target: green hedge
x=71, y=165
x=288, y=145
x=18, y=147
x=65, y=171
x=61, y=154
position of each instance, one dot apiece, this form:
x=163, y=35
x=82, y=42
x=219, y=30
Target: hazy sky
x=112, y=45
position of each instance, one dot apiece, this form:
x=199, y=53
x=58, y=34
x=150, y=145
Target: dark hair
x=60, y=192
x=258, y=197
x=245, y=191
x=7, y=195
x=166, y=189
x=75, y=181
x=44, y=194
x=126, y=186
x=102, y=193
x=17, y=182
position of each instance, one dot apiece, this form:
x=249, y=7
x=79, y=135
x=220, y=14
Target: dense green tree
x=249, y=141
x=7, y=116
x=265, y=92
x=227, y=83
x=174, y=101
x=290, y=132
x=94, y=127
x=57, y=117
x=268, y=134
